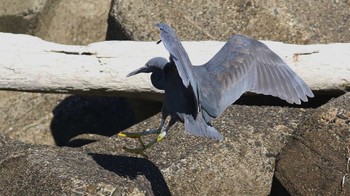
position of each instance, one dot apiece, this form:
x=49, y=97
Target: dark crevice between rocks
x=115, y=31
x=131, y=167
x=277, y=189
x=266, y=100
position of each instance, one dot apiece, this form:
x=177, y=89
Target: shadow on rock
x=79, y=120
x=268, y=100
x=131, y=167
x=277, y=188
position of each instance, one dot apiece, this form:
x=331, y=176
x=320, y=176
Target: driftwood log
x=31, y=64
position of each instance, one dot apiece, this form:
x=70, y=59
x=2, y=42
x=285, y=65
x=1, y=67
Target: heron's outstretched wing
x=179, y=56
x=244, y=64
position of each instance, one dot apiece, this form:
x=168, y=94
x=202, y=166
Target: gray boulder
x=42, y=170
x=288, y=21
x=20, y=16
x=316, y=162
x=242, y=164
x=74, y=22
x=61, y=21
x=27, y=116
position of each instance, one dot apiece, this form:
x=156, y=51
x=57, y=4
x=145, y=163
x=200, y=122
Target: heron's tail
x=199, y=127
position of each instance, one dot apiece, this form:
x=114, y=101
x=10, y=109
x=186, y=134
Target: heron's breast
x=178, y=98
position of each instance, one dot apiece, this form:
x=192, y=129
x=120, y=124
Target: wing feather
x=291, y=83
x=244, y=64
x=177, y=52
x=282, y=92
x=179, y=56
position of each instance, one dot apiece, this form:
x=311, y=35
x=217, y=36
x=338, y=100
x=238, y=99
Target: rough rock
x=242, y=164
x=74, y=22
x=316, y=162
x=20, y=16
x=42, y=170
x=27, y=116
x=62, y=21
x=301, y=22
x=64, y=120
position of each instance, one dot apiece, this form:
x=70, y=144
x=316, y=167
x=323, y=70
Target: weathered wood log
x=31, y=64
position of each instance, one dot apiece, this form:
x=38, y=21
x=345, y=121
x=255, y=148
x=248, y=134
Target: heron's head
x=156, y=63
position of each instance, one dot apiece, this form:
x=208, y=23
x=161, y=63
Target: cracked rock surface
x=316, y=161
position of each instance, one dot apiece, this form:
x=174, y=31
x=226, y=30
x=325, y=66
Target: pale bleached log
x=31, y=64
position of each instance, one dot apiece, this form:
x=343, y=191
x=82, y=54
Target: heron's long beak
x=143, y=69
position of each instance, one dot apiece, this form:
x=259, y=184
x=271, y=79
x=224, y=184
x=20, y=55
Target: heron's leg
x=165, y=115
x=160, y=137
x=162, y=134
x=156, y=131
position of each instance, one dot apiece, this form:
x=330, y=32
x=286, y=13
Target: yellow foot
x=138, y=134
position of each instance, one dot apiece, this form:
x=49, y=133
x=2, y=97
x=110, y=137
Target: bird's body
x=195, y=95
x=178, y=99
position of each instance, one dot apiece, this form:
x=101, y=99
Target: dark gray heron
x=195, y=95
